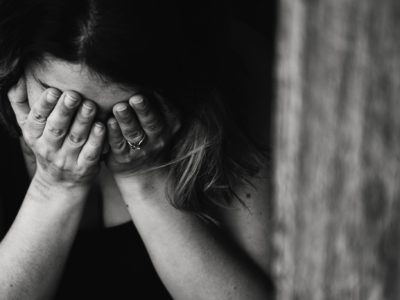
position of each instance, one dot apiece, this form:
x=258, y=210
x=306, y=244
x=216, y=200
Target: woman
x=124, y=117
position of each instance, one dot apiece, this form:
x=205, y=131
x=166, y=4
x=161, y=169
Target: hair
x=176, y=48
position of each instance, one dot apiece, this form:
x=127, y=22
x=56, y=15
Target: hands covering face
x=138, y=135
x=61, y=130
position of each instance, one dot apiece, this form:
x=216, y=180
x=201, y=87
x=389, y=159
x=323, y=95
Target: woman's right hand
x=62, y=134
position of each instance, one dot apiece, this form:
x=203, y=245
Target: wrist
x=142, y=185
x=59, y=182
x=44, y=190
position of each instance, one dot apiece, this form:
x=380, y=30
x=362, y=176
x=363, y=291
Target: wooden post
x=337, y=150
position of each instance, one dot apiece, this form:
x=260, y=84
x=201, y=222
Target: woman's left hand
x=138, y=135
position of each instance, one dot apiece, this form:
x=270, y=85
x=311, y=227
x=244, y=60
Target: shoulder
x=249, y=224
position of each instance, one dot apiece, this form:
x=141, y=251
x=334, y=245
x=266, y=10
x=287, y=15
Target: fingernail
x=87, y=108
x=135, y=100
x=121, y=108
x=53, y=95
x=98, y=128
x=71, y=100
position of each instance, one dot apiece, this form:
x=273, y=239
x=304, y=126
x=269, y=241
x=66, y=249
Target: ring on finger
x=137, y=145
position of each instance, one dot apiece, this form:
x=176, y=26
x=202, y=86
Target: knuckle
x=59, y=164
x=38, y=117
x=118, y=153
x=47, y=105
x=90, y=155
x=132, y=135
x=76, y=139
x=118, y=146
x=56, y=132
x=84, y=121
x=81, y=171
x=153, y=125
x=33, y=132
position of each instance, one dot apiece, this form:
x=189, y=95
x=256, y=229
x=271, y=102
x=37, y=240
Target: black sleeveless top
x=104, y=263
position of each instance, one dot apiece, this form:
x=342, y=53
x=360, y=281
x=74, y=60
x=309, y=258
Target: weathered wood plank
x=337, y=150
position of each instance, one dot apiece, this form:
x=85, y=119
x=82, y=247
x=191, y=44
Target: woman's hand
x=60, y=131
x=138, y=135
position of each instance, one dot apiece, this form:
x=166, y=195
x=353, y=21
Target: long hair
x=175, y=48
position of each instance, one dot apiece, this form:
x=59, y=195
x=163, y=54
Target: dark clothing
x=110, y=263
x=104, y=263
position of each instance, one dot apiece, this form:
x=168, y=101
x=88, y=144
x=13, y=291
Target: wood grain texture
x=337, y=150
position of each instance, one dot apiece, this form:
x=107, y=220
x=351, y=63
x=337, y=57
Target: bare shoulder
x=249, y=225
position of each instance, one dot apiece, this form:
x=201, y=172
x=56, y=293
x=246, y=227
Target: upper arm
x=249, y=227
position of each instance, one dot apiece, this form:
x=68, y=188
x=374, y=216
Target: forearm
x=33, y=252
x=192, y=261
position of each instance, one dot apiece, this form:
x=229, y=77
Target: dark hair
x=173, y=47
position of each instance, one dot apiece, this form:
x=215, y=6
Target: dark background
x=261, y=16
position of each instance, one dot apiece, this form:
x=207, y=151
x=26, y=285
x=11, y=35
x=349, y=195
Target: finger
x=59, y=120
x=80, y=127
x=116, y=140
x=19, y=101
x=41, y=109
x=151, y=122
x=128, y=123
x=92, y=149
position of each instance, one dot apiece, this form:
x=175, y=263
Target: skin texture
x=34, y=250
x=195, y=260
x=66, y=77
